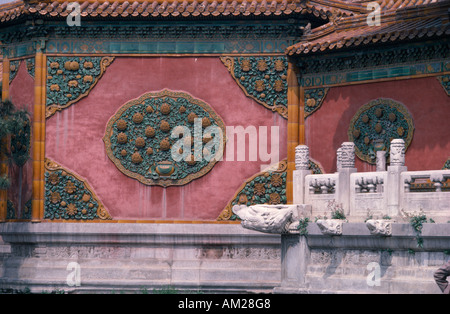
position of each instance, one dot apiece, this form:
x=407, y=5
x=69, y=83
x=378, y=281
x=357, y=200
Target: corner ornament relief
x=262, y=78
x=266, y=187
x=314, y=99
x=68, y=196
x=70, y=79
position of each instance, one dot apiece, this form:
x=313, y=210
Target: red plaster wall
x=22, y=96
x=425, y=99
x=74, y=137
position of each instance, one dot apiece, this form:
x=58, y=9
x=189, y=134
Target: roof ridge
x=160, y=8
x=180, y=8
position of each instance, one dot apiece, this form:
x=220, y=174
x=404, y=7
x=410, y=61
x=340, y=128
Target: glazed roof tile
x=174, y=8
x=407, y=20
x=186, y=8
x=346, y=20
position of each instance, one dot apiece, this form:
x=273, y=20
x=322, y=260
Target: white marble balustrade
x=433, y=203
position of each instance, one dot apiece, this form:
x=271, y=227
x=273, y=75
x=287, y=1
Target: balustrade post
x=300, y=172
x=396, y=167
x=346, y=161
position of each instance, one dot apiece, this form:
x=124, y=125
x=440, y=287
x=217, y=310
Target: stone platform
x=125, y=257
x=219, y=258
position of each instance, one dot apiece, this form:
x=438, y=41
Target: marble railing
x=320, y=189
x=426, y=191
x=368, y=195
x=390, y=192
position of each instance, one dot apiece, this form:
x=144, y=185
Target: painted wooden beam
x=37, y=212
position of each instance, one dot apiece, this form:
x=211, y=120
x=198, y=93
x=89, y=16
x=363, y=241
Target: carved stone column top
x=347, y=155
x=397, y=152
x=302, y=157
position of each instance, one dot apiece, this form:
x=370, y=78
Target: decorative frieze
x=373, y=58
x=262, y=78
x=71, y=78
x=342, y=68
x=174, y=30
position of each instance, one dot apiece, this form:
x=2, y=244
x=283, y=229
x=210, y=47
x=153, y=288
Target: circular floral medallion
x=376, y=124
x=143, y=138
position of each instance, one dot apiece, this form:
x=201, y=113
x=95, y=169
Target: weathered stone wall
x=358, y=262
x=131, y=257
x=220, y=258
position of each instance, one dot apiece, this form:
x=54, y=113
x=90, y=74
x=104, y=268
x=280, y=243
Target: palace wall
x=74, y=137
x=424, y=98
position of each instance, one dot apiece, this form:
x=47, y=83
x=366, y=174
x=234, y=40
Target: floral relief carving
x=69, y=79
x=267, y=187
x=376, y=124
x=139, y=139
x=68, y=196
x=262, y=78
